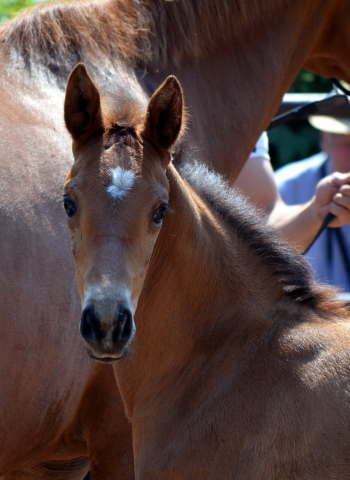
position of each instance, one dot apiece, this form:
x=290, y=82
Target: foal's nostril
x=123, y=325
x=98, y=331
x=90, y=324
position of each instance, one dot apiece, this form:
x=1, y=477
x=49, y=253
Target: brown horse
x=57, y=406
x=235, y=59
x=240, y=365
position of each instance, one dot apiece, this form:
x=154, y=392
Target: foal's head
x=115, y=197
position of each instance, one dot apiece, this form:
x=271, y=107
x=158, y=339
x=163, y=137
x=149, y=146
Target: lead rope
x=337, y=83
x=328, y=218
x=324, y=225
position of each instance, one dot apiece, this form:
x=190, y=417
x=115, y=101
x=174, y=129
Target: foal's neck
x=198, y=294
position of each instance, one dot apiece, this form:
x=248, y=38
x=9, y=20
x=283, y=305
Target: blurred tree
x=307, y=82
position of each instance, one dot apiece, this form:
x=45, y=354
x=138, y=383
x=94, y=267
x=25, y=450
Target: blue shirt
x=297, y=183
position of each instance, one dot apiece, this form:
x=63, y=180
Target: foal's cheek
x=142, y=258
x=73, y=243
x=75, y=236
x=80, y=287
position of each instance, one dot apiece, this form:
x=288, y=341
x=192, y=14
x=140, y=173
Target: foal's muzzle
x=107, y=340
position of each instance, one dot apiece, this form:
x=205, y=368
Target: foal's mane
x=137, y=32
x=287, y=266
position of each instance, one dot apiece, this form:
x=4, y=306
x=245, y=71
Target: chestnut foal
x=233, y=362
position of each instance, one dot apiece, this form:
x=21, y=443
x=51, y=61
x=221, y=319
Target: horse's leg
x=101, y=426
x=106, y=428
x=56, y=470
x=99, y=438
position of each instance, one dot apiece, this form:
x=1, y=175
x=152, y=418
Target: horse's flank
x=156, y=34
x=248, y=53
x=137, y=33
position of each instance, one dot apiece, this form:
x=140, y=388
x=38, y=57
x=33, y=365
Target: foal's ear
x=82, y=105
x=164, y=116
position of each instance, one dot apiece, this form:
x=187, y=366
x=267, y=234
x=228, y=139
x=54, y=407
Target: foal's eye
x=69, y=207
x=157, y=215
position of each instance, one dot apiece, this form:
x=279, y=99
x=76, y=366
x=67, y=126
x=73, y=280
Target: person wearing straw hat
x=299, y=223
x=314, y=181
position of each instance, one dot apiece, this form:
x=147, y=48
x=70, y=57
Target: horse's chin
x=105, y=359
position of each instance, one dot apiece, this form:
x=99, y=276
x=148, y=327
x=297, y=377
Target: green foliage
x=8, y=8
x=292, y=141
x=307, y=82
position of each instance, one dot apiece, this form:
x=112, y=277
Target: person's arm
x=256, y=181
x=298, y=224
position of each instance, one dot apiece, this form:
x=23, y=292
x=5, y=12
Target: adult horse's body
x=52, y=396
x=234, y=58
x=241, y=363
x=54, y=400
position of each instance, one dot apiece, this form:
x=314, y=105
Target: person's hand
x=333, y=195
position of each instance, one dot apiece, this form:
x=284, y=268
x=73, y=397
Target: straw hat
x=330, y=124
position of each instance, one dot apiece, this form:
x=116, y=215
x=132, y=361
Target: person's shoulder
x=307, y=167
